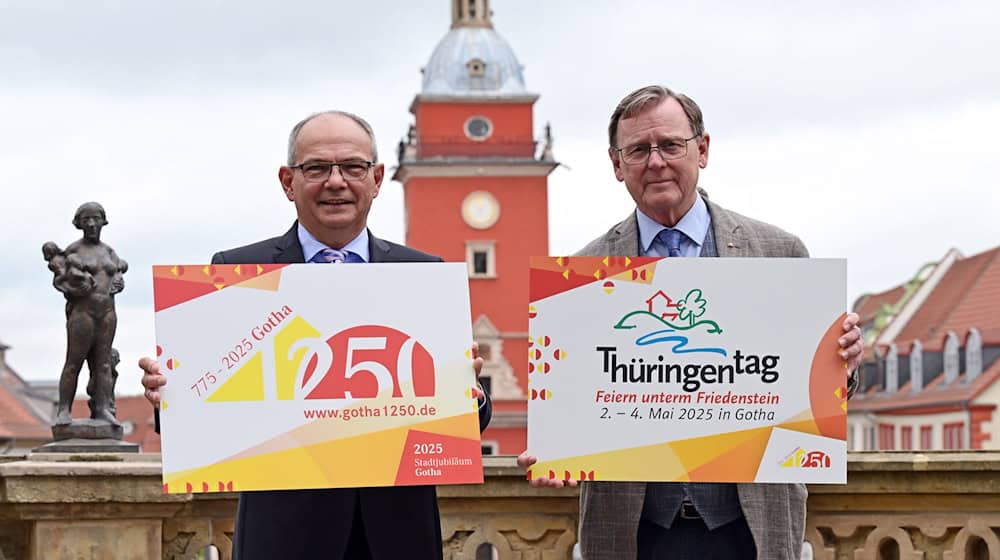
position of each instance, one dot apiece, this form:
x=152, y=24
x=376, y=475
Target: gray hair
x=298, y=128
x=650, y=96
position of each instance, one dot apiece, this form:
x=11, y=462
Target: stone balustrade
x=937, y=505
x=908, y=506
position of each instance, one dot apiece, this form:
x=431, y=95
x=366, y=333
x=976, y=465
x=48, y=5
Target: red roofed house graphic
x=661, y=304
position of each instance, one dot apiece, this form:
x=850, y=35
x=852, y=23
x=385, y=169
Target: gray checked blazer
x=776, y=513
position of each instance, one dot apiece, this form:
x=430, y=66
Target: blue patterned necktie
x=671, y=238
x=332, y=256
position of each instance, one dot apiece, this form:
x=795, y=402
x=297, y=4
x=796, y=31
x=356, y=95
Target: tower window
x=479, y=265
x=481, y=258
x=478, y=128
x=476, y=68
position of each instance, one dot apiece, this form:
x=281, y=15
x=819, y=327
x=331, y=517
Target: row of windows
x=953, y=437
x=920, y=367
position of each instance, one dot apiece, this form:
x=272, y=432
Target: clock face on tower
x=480, y=210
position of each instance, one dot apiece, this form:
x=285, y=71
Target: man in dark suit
x=332, y=176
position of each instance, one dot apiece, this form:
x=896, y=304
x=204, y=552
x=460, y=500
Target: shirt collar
x=694, y=225
x=311, y=245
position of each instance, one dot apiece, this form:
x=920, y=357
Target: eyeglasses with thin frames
x=669, y=148
x=320, y=171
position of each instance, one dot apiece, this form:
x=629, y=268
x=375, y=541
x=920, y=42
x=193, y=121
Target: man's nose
x=336, y=178
x=656, y=159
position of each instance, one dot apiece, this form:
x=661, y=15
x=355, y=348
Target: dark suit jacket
x=400, y=522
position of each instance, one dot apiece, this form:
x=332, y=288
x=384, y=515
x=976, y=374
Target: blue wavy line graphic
x=661, y=336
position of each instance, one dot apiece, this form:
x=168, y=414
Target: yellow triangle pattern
x=321, y=464
x=286, y=367
x=270, y=281
x=698, y=452
x=739, y=463
x=794, y=459
x=247, y=384
x=662, y=461
x=732, y=456
x=804, y=423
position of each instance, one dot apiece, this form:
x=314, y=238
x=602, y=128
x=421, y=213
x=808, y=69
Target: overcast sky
x=869, y=129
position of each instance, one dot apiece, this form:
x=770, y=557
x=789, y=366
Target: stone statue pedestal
x=88, y=436
x=79, y=445
x=87, y=429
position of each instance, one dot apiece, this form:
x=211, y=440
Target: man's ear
x=378, y=173
x=616, y=163
x=285, y=176
x=703, y=151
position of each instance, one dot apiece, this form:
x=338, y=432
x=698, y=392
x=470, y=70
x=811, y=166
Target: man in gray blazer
x=658, y=144
x=332, y=176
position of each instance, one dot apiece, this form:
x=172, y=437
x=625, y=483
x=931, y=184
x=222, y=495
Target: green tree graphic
x=691, y=307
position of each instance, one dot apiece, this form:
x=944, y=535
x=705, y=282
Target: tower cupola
x=472, y=59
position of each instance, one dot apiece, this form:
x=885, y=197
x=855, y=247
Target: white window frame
x=474, y=246
x=489, y=128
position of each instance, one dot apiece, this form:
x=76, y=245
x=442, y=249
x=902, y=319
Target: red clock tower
x=475, y=191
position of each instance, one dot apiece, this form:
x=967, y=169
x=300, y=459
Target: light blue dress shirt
x=694, y=225
x=311, y=245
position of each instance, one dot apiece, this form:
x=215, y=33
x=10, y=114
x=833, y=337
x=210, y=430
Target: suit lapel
x=288, y=249
x=624, y=241
x=378, y=250
x=730, y=239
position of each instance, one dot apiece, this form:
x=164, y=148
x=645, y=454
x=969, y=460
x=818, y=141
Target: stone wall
x=897, y=505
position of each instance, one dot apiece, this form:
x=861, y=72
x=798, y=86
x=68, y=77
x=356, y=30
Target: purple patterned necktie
x=330, y=256
x=671, y=238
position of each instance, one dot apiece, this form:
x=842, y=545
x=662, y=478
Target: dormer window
x=950, y=358
x=916, y=367
x=973, y=355
x=892, y=370
x=476, y=68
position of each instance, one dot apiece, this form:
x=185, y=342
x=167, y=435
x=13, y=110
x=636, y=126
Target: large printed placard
x=308, y=376
x=701, y=370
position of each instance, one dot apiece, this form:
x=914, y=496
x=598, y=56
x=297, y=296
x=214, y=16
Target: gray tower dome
x=472, y=59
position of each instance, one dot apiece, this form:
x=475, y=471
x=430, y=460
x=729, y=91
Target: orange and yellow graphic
x=669, y=388
x=346, y=403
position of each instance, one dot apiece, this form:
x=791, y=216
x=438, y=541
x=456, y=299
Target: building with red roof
x=930, y=376
x=26, y=410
